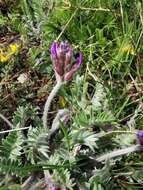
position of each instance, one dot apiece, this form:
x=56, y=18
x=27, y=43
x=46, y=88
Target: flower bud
x=140, y=137
x=62, y=57
x=75, y=67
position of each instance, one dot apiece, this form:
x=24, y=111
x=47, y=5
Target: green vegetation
x=93, y=146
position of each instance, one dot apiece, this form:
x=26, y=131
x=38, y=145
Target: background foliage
x=105, y=95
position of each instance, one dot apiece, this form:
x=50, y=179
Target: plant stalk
x=6, y=120
x=131, y=149
x=49, y=100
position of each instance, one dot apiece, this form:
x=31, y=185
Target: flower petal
x=75, y=67
x=68, y=58
x=140, y=137
x=79, y=60
x=54, y=49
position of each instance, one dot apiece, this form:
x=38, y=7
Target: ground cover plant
x=71, y=94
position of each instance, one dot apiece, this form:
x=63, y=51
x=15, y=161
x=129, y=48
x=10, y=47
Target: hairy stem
x=135, y=148
x=49, y=100
x=45, y=115
x=63, y=115
x=15, y=129
x=27, y=183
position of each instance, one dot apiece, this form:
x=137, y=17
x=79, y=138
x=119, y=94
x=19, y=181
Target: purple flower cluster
x=62, y=57
x=140, y=137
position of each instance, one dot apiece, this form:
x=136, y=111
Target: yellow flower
x=129, y=50
x=14, y=48
x=4, y=58
x=7, y=52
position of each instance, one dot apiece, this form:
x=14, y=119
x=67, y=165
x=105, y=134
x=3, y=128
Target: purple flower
x=53, y=50
x=50, y=184
x=74, y=68
x=140, y=137
x=53, y=187
x=62, y=57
